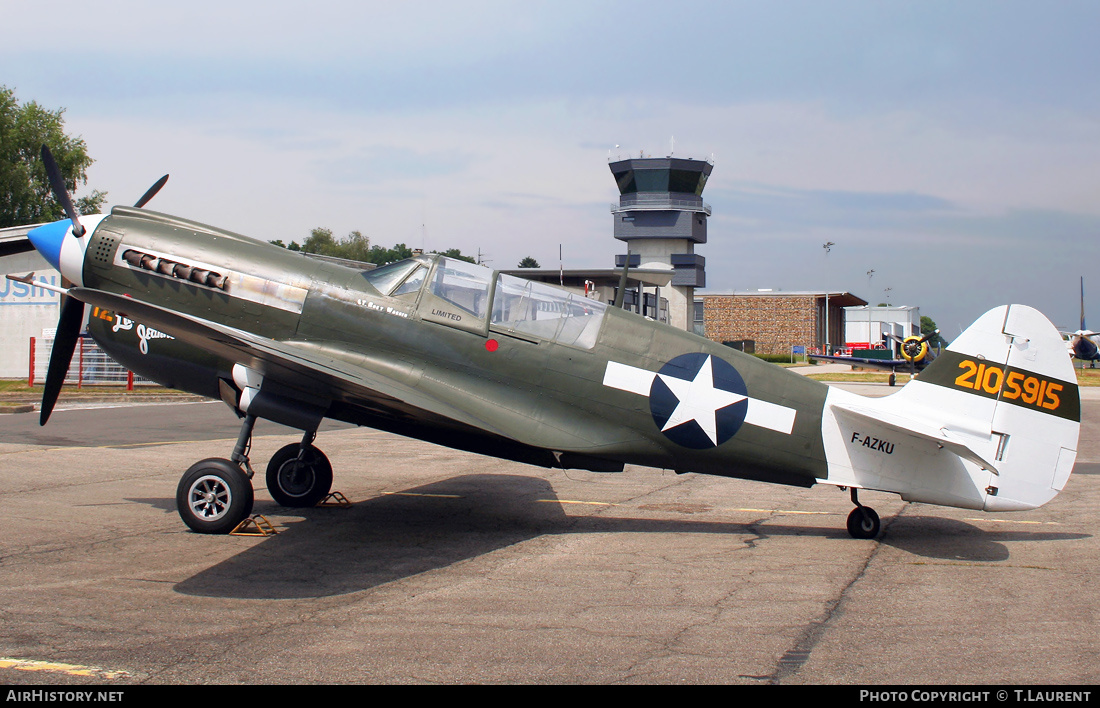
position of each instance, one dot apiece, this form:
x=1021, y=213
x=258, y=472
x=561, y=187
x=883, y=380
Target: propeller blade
x=151, y=192
x=60, y=193
x=64, y=343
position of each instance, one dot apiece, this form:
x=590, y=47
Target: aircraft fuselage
x=542, y=401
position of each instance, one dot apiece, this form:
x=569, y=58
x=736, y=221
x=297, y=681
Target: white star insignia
x=699, y=400
x=696, y=405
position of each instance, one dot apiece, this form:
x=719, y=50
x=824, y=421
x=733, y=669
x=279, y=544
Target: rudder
x=1010, y=368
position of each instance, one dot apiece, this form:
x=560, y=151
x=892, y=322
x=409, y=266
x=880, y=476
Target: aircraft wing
x=886, y=364
x=283, y=360
x=382, y=386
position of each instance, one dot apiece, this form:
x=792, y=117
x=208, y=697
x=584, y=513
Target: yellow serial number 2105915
x=1032, y=390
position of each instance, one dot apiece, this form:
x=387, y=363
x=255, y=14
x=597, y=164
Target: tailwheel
x=863, y=522
x=299, y=476
x=214, y=496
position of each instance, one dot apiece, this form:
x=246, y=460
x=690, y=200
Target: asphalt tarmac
x=455, y=568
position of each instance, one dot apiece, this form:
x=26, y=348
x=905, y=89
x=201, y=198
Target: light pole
x=828, y=246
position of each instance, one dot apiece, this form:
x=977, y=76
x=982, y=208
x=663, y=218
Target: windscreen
x=388, y=277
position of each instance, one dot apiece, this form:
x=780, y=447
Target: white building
x=25, y=311
x=867, y=327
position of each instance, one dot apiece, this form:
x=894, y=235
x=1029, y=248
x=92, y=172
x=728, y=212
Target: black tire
x=299, y=484
x=893, y=379
x=214, y=496
x=863, y=522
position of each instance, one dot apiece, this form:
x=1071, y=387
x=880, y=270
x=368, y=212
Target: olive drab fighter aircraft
x=463, y=356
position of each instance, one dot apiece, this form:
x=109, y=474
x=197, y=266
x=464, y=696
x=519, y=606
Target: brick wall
x=774, y=322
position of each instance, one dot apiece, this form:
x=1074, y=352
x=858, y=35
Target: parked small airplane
x=463, y=356
x=915, y=356
x=1081, y=343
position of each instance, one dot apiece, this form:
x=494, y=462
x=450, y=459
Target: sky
x=949, y=150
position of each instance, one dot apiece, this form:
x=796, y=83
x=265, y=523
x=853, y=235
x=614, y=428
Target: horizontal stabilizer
x=940, y=436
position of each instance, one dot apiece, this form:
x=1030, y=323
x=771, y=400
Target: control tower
x=661, y=215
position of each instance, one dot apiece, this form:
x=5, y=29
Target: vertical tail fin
x=992, y=423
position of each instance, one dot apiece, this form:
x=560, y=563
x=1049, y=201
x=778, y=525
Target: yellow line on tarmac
x=1017, y=521
x=755, y=511
x=54, y=667
x=571, y=501
x=785, y=511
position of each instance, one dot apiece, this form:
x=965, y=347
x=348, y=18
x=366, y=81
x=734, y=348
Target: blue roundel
x=698, y=400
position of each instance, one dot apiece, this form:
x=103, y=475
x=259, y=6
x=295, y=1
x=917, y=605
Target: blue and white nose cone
x=61, y=249
x=47, y=240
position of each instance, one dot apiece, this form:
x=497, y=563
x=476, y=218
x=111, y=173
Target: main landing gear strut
x=215, y=494
x=863, y=522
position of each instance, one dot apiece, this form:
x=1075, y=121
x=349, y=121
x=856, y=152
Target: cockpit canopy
x=519, y=306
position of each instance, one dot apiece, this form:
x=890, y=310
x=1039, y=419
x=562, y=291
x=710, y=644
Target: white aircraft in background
x=1081, y=343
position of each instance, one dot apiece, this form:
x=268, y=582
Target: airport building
x=868, y=327
x=25, y=311
x=776, y=322
x=661, y=216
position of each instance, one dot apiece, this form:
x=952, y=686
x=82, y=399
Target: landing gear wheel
x=214, y=496
x=299, y=483
x=893, y=378
x=863, y=523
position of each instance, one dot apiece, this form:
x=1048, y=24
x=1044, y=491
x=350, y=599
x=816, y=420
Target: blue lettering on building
x=13, y=292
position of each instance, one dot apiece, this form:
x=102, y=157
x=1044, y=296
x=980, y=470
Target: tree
x=382, y=256
x=25, y=195
x=457, y=254
x=353, y=247
x=321, y=242
x=528, y=262
x=356, y=247
x=927, y=327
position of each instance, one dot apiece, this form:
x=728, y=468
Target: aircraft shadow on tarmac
x=954, y=540
x=340, y=551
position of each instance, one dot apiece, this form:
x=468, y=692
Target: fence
x=90, y=365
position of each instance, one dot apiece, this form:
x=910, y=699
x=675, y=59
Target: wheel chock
x=335, y=499
x=257, y=525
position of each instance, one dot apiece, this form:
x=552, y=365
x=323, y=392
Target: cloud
x=949, y=146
